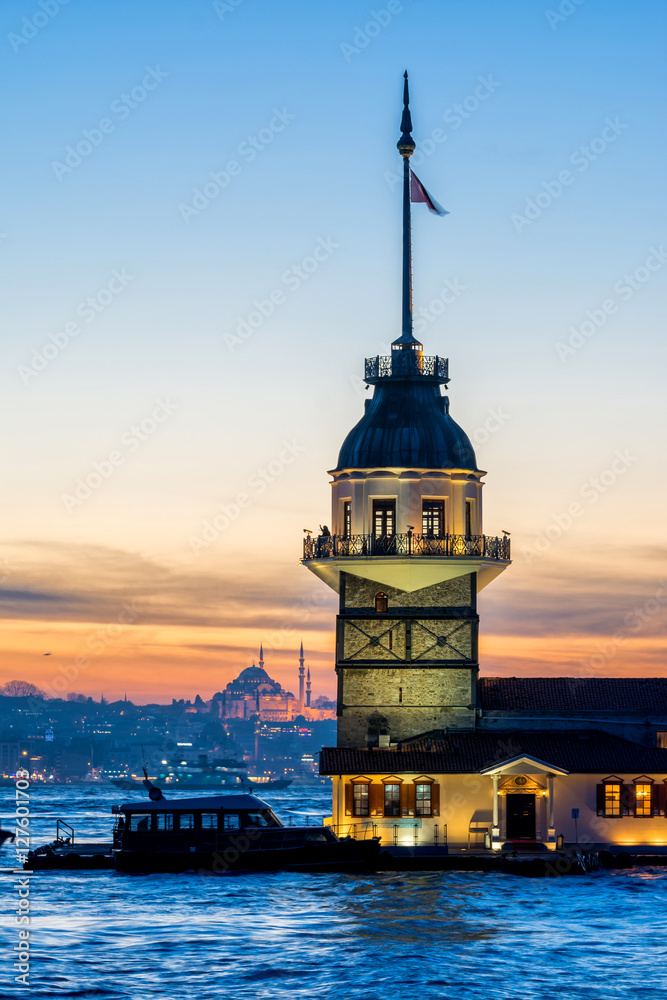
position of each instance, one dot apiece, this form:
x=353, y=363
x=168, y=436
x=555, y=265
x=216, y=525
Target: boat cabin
x=178, y=820
x=206, y=823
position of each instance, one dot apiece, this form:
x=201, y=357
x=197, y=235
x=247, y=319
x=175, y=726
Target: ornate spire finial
x=406, y=144
x=406, y=147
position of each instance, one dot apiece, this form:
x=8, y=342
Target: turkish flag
x=419, y=193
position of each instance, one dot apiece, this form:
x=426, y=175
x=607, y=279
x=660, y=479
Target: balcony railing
x=406, y=363
x=409, y=544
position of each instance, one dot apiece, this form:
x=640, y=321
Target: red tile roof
x=584, y=752
x=574, y=694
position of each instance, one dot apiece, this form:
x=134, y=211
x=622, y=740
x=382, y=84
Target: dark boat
x=216, y=833
x=202, y=774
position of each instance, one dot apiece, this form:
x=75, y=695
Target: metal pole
x=407, y=250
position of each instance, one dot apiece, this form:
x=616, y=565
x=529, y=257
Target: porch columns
x=551, y=832
x=495, y=832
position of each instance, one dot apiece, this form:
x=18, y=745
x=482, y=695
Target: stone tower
x=407, y=553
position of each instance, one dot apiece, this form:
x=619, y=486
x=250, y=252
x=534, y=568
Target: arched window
x=381, y=602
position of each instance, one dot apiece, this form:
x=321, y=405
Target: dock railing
x=363, y=829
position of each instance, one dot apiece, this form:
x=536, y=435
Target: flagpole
x=406, y=147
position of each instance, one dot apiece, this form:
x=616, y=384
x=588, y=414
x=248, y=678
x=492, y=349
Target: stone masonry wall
x=457, y=593
x=411, y=699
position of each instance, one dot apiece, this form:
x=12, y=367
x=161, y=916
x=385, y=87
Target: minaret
x=407, y=553
x=301, y=669
x=261, y=656
x=308, y=690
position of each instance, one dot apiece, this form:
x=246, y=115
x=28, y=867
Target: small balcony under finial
x=410, y=363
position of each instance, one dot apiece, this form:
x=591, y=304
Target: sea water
x=390, y=935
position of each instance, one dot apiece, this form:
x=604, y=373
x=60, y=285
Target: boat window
x=187, y=821
x=165, y=821
x=231, y=821
x=140, y=822
x=257, y=819
x=209, y=821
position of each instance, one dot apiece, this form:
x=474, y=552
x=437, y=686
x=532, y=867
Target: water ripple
x=478, y=936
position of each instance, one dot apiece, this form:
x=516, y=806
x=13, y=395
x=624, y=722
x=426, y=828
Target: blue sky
x=582, y=92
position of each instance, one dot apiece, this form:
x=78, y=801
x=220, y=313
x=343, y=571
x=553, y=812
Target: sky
x=175, y=385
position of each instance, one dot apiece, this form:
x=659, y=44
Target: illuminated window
x=231, y=821
x=381, y=602
x=347, y=518
x=165, y=821
x=360, y=800
x=423, y=800
x=612, y=800
x=209, y=821
x=384, y=517
x=186, y=821
x=643, y=800
x=392, y=800
x=469, y=517
x=433, y=518
x=661, y=740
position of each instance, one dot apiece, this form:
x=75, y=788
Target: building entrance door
x=520, y=817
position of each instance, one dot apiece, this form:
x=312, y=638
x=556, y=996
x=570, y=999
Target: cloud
x=565, y=600
x=89, y=583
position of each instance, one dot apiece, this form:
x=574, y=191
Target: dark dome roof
x=256, y=675
x=406, y=425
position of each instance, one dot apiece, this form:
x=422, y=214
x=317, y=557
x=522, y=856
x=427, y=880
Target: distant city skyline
x=202, y=243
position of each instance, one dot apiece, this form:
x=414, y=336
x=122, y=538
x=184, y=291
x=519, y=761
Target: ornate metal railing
x=409, y=544
x=406, y=363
